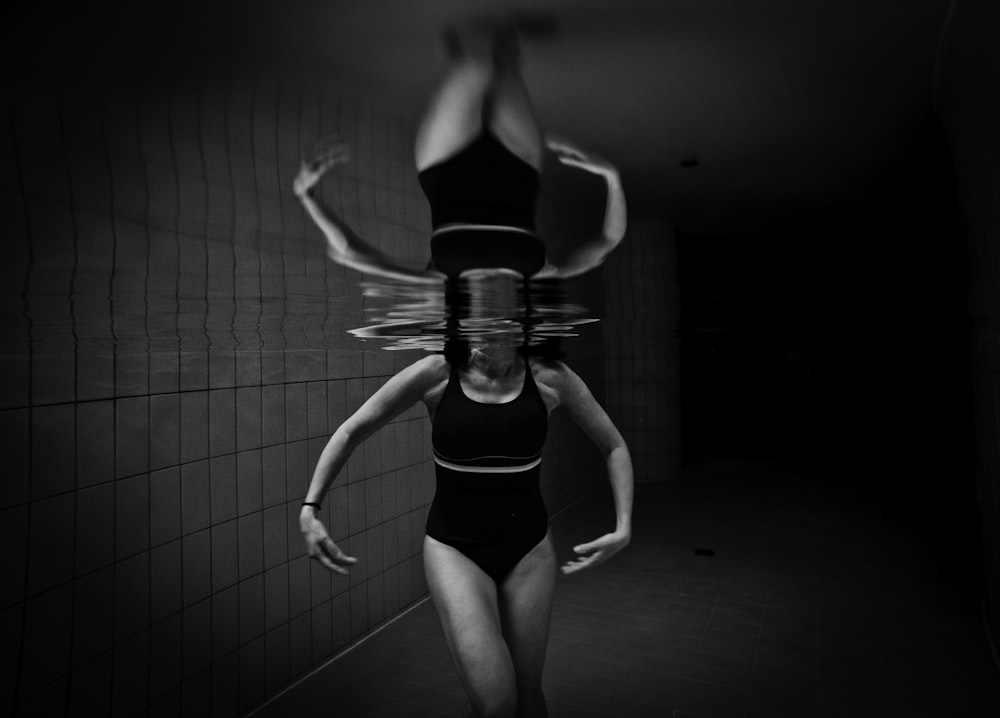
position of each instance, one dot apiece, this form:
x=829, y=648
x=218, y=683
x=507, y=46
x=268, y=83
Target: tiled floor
x=813, y=605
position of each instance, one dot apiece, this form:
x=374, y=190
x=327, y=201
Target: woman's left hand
x=324, y=154
x=599, y=550
x=570, y=154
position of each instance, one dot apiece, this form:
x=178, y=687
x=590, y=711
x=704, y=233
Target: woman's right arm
x=395, y=396
x=593, y=252
x=343, y=245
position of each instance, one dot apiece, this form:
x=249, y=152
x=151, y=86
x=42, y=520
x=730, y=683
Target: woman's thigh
x=466, y=602
x=454, y=116
x=525, y=603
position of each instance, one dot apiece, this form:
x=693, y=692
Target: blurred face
x=494, y=305
x=493, y=293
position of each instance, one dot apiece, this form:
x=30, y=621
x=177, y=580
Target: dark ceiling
x=785, y=104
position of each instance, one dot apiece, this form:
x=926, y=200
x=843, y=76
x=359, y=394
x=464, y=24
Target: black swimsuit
x=488, y=503
x=483, y=209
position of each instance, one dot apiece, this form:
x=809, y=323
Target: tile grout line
x=338, y=655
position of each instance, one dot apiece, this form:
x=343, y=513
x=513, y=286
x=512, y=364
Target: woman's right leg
x=483, y=89
x=466, y=602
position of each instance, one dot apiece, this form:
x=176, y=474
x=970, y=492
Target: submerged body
x=488, y=503
x=491, y=575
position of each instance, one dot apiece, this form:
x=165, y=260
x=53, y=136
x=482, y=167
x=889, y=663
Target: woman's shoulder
x=543, y=366
x=425, y=377
x=433, y=367
x=551, y=373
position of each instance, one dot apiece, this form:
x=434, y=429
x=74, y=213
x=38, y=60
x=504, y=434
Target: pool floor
x=748, y=592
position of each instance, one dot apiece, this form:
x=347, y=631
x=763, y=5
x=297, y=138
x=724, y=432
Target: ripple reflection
x=477, y=309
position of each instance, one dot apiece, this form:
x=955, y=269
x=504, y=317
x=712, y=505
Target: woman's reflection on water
x=497, y=306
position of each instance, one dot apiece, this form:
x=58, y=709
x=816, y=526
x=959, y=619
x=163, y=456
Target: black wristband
x=314, y=504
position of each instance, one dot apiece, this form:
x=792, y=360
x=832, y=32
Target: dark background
x=837, y=343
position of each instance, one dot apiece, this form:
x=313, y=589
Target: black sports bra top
x=484, y=183
x=471, y=436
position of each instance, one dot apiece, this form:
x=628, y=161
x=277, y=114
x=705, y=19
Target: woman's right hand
x=321, y=546
x=325, y=154
x=571, y=154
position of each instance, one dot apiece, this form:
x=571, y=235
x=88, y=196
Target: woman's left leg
x=511, y=115
x=525, y=602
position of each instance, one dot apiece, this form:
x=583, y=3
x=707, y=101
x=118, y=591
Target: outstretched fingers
x=335, y=156
x=581, y=563
x=591, y=554
x=321, y=156
x=595, y=552
x=571, y=154
x=563, y=147
x=329, y=554
x=326, y=152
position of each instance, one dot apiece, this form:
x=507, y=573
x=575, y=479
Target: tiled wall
x=642, y=362
x=970, y=110
x=174, y=358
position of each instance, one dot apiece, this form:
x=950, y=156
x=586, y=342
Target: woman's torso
x=478, y=388
x=486, y=424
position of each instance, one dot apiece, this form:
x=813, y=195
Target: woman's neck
x=495, y=360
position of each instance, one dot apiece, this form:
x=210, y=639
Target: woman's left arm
x=344, y=246
x=591, y=417
x=591, y=253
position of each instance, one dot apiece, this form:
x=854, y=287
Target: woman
x=488, y=554
x=478, y=156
